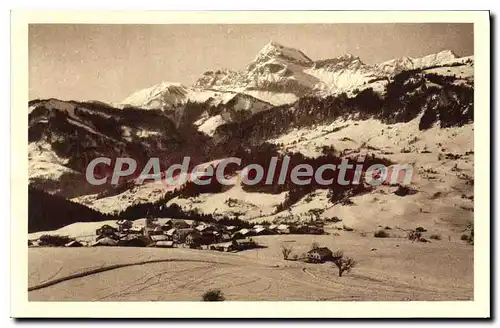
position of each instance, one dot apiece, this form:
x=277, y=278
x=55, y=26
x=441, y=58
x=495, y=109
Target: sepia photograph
x=275, y=161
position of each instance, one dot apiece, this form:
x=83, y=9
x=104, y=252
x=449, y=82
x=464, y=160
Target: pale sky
x=109, y=62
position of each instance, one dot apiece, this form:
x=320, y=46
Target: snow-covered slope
x=397, y=65
x=209, y=125
x=44, y=163
x=163, y=95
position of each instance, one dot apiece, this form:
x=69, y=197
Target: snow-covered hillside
x=44, y=163
x=340, y=106
x=445, y=57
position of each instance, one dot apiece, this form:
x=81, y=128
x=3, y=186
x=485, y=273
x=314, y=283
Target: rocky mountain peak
x=276, y=50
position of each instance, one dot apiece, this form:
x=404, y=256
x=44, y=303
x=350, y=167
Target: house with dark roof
x=105, y=241
x=136, y=229
x=196, y=238
x=106, y=230
x=283, y=228
x=180, y=235
x=124, y=225
x=181, y=224
x=262, y=231
x=319, y=255
x=231, y=228
x=156, y=238
x=243, y=233
x=133, y=241
x=223, y=247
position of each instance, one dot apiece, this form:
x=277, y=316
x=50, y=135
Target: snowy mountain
x=289, y=74
x=395, y=66
x=281, y=75
x=282, y=102
x=163, y=95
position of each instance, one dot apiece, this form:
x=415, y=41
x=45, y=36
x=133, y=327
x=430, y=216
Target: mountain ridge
x=280, y=75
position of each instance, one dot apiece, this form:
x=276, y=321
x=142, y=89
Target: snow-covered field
x=391, y=269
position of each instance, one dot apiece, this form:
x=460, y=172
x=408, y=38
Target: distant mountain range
x=280, y=75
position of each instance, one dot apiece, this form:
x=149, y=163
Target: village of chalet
x=170, y=233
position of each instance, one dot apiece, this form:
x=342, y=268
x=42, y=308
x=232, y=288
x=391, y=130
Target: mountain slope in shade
x=50, y=212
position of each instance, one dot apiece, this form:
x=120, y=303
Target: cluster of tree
x=54, y=240
x=50, y=212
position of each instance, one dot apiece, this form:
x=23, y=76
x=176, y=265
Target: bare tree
x=343, y=263
x=470, y=230
x=286, y=251
x=414, y=235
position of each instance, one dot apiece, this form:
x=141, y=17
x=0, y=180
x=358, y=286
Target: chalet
x=225, y=237
x=165, y=223
x=181, y=234
x=150, y=222
x=197, y=239
x=283, y=228
x=243, y=244
x=192, y=239
x=106, y=230
x=301, y=229
x=136, y=229
x=157, y=230
x=231, y=228
x=205, y=228
x=124, y=225
x=243, y=233
x=111, y=236
x=133, y=241
x=106, y=241
x=307, y=229
x=170, y=233
x=223, y=247
x=320, y=254
x=263, y=231
x=164, y=244
x=181, y=224
x=156, y=238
